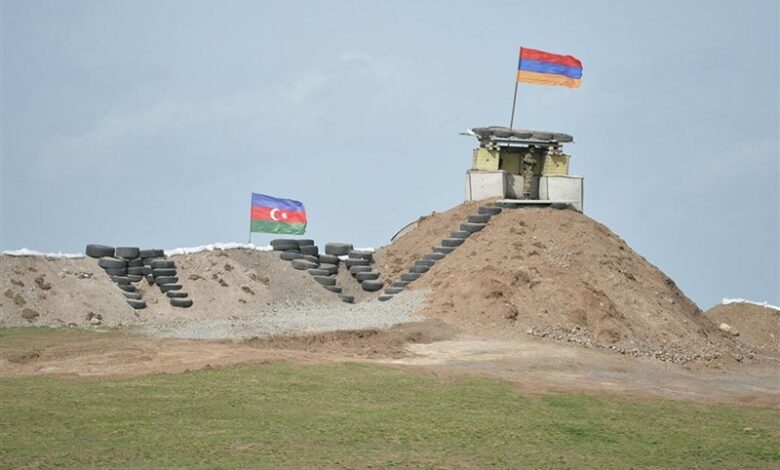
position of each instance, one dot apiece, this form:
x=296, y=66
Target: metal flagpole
x=250, y=222
x=514, y=101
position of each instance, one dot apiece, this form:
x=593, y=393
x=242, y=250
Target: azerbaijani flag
x=274, y=215
x=544, y=68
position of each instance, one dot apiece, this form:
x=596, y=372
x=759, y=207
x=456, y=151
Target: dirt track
x=533, y=365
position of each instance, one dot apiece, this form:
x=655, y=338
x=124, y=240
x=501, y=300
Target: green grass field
x=361, y=416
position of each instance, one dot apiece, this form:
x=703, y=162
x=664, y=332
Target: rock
x=29, y=314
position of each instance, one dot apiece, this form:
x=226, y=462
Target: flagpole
x=514, y=101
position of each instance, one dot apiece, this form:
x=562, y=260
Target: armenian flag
x=275, y=215
x=544, y=68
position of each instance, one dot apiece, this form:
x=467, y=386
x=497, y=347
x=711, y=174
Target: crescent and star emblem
x=275, y=217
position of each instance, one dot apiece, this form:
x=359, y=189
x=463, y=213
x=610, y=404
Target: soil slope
x=757, y=326
x=223, y=285
x=557, y=274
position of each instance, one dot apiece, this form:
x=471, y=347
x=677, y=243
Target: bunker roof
x=506, y=137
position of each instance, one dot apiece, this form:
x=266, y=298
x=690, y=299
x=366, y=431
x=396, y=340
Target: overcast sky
x=150, y=123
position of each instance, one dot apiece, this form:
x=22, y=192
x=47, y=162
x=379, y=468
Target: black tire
x=140, y=270
x=319, y=272
x=410, y=277
x=372, y=286
x=460, y=234
x=354, y=270
x=543, y=135
x=452, y=242
x=116, y=271
x=166, y=280
x=99, y=251
x=162, y=264
x=169, y=287
x=312, y=258
x=522, y=134
x=154, y=253
x=419, y=269
x=478, y=218
x=120, y=279
x=149, y=279
x=183, y=303
x=310, y=250
x=163, y=272
x=471, y=227
x=135, y=263
x=366, y=255
x=338, y=249
x=350, y=299
x=133, y=295
x=291, y=255
x=325, y=280
x=135, y=277
x=384, y=297
x=136, y=304
x=436, y=256
x=329, y=259
x=356, y=262
x=561, y=206
x=127, y=252
x=425, y=262
x=176, y=294
x=562, y=138
x=445, y=250
x=367, y=276
x=400, y=284
x=393, y=290
x=147, y=271
x=492, y=210
x=127, y=287
x=110, y=262
x=331, y=269
x=303, y=264
x=334, y=289
x=283, y=244
x=305, y=242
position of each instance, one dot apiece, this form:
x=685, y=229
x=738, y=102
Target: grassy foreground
x=360, y=416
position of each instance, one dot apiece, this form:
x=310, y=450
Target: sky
x=150, y=123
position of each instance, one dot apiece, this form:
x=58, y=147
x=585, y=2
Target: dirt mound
x=408, y=248
x=224, y=284
x=561, y=275
x=755, y=325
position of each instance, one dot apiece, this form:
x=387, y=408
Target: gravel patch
x=300, y=319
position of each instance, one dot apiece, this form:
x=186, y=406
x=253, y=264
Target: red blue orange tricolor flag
x=276, y=215
x=544, y=68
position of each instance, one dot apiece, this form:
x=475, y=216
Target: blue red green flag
x=276, y=215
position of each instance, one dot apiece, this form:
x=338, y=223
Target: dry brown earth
x=756, y=326
x=561, y=275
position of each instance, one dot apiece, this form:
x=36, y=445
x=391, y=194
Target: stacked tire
x=163, y=273
x=123, y=266
x=360, y=267
x=334, y=253
x=128, y=265
x=474, y=223
x=305, y=256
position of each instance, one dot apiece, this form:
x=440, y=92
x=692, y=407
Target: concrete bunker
x=522, y=167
